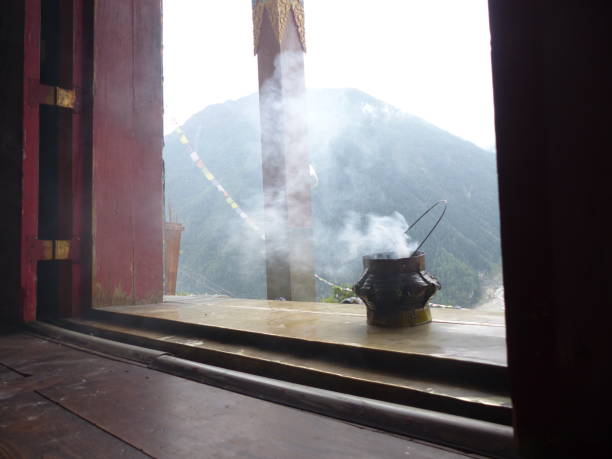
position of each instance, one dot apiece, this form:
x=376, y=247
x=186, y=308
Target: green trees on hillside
x=339, y=293
x=370, y=159
x=460, y=283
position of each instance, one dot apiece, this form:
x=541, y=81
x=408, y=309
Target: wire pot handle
x=442, y=201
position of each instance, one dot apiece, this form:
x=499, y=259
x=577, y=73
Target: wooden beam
x=127, y=201
x=551, y=75
x=12, y=22
x=279, y=41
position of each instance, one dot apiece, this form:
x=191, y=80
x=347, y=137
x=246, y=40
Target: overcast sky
x=430, y=58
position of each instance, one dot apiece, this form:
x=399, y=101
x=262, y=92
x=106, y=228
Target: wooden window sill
x=456, y=364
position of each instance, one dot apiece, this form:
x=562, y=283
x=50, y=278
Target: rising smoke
x=315, y=127
x=376, y=234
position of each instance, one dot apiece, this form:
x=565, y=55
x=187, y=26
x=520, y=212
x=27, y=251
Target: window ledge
x=463, y=334
x=456, y=364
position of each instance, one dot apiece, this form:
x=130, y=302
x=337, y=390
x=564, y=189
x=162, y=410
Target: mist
x=376, y=165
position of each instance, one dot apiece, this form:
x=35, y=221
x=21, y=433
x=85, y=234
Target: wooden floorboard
x=63, y=402
x=31, y=426
x=7, y=375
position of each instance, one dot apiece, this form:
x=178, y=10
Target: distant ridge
x=370, y=158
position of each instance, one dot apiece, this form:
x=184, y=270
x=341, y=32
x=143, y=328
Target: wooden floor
x=57, y=401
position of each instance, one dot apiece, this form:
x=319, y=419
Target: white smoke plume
x=317, y=127
x=378, y=234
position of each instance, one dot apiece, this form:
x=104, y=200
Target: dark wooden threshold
x=470, y=435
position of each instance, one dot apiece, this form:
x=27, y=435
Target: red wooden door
x=92, y=199
x=127, y=153
x=54, y=242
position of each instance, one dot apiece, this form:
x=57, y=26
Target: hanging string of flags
x=199, y=163
x=331, y=284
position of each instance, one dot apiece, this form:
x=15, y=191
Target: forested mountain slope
x=370, y=158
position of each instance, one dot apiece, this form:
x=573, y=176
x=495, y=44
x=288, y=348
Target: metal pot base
x=405, y=318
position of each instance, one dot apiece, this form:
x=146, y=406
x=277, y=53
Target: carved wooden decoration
x=278, y=14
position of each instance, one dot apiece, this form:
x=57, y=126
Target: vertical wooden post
x=82, y=71
x=29, y=196
x=12, y=33
x=172, y=252
x=280, y=45
x=551, y=78
x=127, y=142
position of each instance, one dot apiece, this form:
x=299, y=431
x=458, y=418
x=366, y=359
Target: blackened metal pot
x=396, y=291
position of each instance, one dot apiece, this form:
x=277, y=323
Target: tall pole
x=280, y=46
x=172, y=253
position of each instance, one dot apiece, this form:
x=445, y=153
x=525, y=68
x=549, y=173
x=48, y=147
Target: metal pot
x=396, y=291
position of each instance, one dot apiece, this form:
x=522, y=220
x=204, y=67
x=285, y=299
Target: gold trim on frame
x=278, y=14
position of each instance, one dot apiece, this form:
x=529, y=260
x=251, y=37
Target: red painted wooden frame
x=127, y=201
x=30, y=250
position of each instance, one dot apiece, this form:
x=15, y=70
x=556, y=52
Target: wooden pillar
x=551, y=73
x=127, y=196
x=12, y=33
x=29, y=193
x=172, y=251
x=280, y=45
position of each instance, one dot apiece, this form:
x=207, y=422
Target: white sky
x=430, y=58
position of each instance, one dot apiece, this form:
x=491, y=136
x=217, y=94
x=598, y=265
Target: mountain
x=370, y=158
